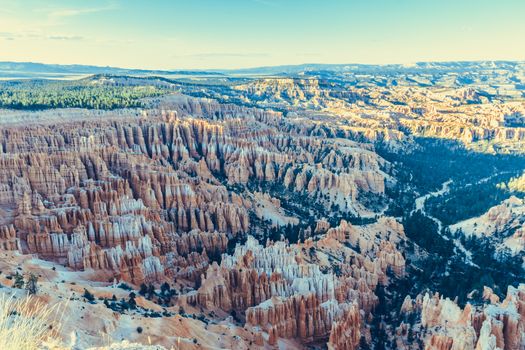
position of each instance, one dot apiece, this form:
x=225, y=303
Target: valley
x=306, y=207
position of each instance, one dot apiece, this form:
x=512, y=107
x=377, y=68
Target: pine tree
x=131, y=302
x=89, y=297
x=31, y=284
x=151, y=291
x=165, y=288
x=19, y=281
x=143, y=289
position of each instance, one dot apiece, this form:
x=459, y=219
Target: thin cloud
x=65, y=37
x=10, y=35
x=73, y=12
x=309, y=54
x=32, y=35
x=76, y=12
x=223, y=54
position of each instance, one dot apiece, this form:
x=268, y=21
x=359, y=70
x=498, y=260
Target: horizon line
x=266, y=66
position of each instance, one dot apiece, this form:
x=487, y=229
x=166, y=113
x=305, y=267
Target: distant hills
x=14, y=70
x=41, y=70
x=418, y=67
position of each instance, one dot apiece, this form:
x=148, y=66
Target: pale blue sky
x=175, y=34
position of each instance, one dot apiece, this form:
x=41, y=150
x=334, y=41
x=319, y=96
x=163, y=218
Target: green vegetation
x=88, y=296
x=424, y=232
x=31, y=284
x=434, y=262
x=445, y=271
x=515, y=184
x=19, y=281
x=490, y=271
x=29, y=323
x=466, y=202
x=38, y=95
x=435, y=161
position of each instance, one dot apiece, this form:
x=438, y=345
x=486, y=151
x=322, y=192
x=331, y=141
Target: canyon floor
x=312, y=207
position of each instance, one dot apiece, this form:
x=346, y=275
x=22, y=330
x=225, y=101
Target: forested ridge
x=37, y=95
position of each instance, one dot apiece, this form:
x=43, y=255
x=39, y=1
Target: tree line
x=39, y=95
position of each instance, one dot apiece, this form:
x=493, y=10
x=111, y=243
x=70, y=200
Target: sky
x=207, y=34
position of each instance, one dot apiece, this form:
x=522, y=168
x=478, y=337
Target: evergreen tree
x=31, y=284
x=165, y=288
x=151, y=291
x=19, y=281
x=143, y=289
x=89, y=297
x=131, y=302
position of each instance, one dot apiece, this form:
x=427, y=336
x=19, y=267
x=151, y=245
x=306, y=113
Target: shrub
x=143, y=289
x=19, y=281
x=27, y=324
x=124, y=286
x=131, y=302
x=151, y=291
x=165, y=288
x=89, y=297
x=124, y=305
x=31, y=284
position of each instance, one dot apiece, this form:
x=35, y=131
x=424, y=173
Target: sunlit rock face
x=503, y=223
x=404, y=104
x=293, y=290
x=274, y=227
x=445, y=325
x=146, y=197
x=162, y=196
